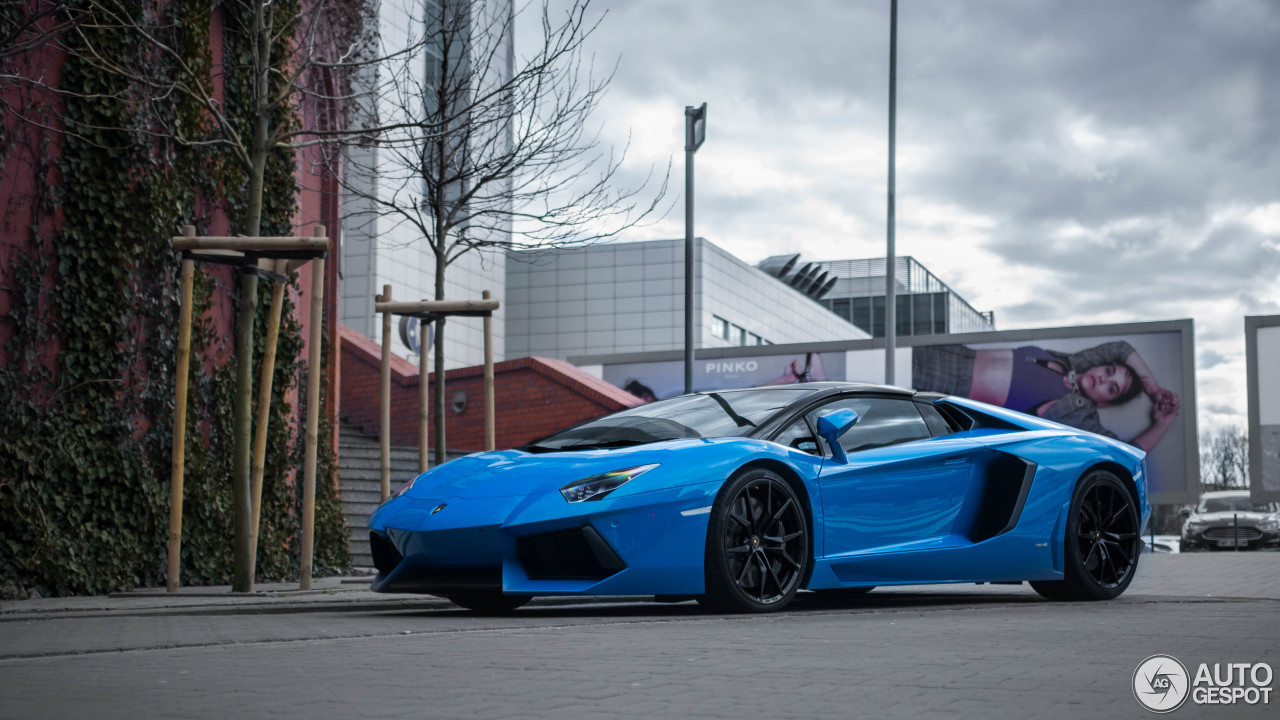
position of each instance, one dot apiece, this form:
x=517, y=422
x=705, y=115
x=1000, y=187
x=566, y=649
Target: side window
x=882, y=422
x=937, y=424
x=797, y=436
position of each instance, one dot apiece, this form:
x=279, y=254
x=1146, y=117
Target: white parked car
x=1228, y=520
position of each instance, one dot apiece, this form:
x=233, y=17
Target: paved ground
x=964, y=651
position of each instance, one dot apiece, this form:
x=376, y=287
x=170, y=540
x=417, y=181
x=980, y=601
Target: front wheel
x=1102, y=544
x=757, y=544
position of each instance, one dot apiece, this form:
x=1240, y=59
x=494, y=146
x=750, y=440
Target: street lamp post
x=890, y=299
x=695, y=131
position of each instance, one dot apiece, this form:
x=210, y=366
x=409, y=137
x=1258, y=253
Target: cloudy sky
x=1061, y=162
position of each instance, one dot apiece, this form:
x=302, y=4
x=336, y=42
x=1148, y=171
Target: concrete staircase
x=359, y=479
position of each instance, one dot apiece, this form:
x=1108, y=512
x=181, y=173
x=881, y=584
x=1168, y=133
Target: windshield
x=706, y=415
x=1234, y=503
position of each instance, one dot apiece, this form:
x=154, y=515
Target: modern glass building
x=629, y=297
x=855, y=291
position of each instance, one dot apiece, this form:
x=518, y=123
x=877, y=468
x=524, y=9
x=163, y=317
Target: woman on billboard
x=1062, y=387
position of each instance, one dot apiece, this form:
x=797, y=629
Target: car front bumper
x=646, y=544
x=1229, y=537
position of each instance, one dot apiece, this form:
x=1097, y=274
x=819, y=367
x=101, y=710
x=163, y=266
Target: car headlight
x=597, y=486
x=1269, y=524
x=404, y=488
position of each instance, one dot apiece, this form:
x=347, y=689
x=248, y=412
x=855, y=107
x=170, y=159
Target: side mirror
x=1185, y=512
x=833, y=425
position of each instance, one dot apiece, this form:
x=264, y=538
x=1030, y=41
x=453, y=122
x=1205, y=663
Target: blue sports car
x=741, y=498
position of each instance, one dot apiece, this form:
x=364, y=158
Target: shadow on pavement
x=804, y=603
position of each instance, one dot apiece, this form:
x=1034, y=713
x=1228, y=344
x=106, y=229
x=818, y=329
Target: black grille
x=579, y=554
x=1226, y=533
x=385, y=555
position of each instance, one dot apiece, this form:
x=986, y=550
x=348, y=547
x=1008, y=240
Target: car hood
x=511, y=473
x=1219, y=518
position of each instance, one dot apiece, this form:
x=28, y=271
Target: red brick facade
x=533, y=397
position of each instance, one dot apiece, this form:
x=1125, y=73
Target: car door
x=902, y=487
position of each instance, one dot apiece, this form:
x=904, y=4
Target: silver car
x=1228, y=520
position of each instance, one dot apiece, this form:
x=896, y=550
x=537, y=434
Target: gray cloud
x=1209, y=359
x=1111, y=160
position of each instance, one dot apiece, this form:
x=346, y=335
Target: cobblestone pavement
x=970, y=651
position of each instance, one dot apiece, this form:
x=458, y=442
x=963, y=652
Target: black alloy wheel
x=490, y=602
x=757, y=544
x=1102, y=542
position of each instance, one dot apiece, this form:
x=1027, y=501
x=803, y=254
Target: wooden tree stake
x=180, y=424
x=384, y=399
x=264, y=409
x=490, y=434
x=314, y=371
x=424, y=409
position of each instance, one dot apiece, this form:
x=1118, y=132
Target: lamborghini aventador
x=742, y=498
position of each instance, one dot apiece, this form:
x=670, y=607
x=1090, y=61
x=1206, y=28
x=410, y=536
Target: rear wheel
x=1102, y=546
x=488, y=603
x=757, y=544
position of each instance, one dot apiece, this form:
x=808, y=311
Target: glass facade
x=925, y=305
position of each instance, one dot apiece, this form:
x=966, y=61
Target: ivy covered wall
x=85, y=440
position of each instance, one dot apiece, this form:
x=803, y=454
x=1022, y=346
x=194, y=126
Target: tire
x=758, y=546
x=1101, y=547
x=488, y=603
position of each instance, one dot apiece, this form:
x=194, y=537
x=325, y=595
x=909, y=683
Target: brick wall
x=533, y=397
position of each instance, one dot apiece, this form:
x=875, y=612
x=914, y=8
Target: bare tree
x=1224, y=459
x=27, y=25
x=299, y=64
x=493, y=152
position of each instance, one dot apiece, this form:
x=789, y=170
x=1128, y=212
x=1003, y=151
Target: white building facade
x=379, y=248
x=629, y=297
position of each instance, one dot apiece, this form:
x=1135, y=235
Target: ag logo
x=1161, y=683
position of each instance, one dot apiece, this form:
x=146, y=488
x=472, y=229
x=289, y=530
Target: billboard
x=1132, y=386
x=663, y=379
x=1262, y=355
x=1132, y=382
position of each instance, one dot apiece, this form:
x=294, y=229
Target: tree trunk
x=439, y=363
x=242, y=571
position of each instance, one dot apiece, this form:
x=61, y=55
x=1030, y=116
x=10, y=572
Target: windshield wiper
x=604, y=444
x=728, y=410
x=585, y=445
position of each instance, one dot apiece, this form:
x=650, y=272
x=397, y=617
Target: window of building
x=842, y=307
x=921, y=314
x=719, y=327
x=738, y=335
x=755, y=339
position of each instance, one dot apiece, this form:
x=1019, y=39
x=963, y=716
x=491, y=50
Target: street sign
x=697, y=128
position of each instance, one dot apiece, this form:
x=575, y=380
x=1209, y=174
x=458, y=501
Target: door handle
x=955, y=460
